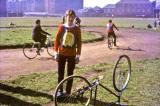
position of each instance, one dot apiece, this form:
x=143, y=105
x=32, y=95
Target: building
x=39, y=6
x=109, y=10
x=60, y=6
x=49, y=7
x=134, y=8
x=3, y=8
x=15, y=8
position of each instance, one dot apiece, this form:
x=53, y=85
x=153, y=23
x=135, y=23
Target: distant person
x=159, y=24
x=63, y=20
x=38, y=35
x=67, y=47
x=132, y=26
x=77, y=21
x=110, y=30
x=155, y=24
x=149, y=26
x=11, y=24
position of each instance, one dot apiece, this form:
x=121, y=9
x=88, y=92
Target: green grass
x=139, y=23
x=142, y=90
x=19, y=37
x=29, y=21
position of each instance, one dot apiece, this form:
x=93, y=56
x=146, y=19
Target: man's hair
x=70, y=12
x=37, y=21
x=77, y=20
x=110, y=21
x=63, y=20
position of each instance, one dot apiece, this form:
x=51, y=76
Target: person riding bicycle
x=67, y=47
x=110, y=30
x=38, y=35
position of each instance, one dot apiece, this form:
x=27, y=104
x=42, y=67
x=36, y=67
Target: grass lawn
x=143, y=89
x=139, y=23
x=19, y=37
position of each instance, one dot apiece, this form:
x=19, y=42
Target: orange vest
x=109, y=27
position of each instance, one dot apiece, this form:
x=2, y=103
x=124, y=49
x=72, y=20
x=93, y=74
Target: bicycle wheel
x=110, y=42
x=50, y=50
x=80, y=93
x=30, y=52
x=121, y=73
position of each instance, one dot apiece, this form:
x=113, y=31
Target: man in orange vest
x=110, y=31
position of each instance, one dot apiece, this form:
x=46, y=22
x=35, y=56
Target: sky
x=100, y=3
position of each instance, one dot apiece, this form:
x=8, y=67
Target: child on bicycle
x=38, y=35
x=110, y=31
x=67, y=47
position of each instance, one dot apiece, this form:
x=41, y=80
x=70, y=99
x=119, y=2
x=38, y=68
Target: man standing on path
x=67, y=48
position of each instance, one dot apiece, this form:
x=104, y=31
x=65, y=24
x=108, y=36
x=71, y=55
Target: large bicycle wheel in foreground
x=80, y=93
x=121, y=73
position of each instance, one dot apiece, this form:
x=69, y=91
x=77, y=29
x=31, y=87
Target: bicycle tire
x=77, y=94
x=126, y=65
x=30, y=52
x=110, y=42
x=50, y=50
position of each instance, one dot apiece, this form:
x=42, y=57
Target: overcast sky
x=100, y=3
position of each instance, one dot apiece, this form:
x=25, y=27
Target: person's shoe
x=59, y=94
x=38, y=52
x=116, y=45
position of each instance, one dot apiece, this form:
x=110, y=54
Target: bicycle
x=31, y=51
x=81, y=91
x=110, y=41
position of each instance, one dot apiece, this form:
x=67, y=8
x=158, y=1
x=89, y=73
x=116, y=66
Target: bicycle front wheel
x=74, y=90
x=121, y=73
x=30, y=52
x=50, y=50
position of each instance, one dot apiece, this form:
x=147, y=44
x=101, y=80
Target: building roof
x=97, y=8
x=110, y=6
x=134, y=2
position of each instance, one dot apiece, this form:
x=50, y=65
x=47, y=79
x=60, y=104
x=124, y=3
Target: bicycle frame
x=95, y=85
x=87, y=87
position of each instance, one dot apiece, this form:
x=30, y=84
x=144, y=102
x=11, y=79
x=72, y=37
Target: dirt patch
x=137, y=44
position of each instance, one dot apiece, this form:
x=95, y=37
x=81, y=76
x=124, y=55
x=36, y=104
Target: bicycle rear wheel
x=121, y=73
x=30, y=52
x=110, y=42
x=50, y=50
x=80, y=93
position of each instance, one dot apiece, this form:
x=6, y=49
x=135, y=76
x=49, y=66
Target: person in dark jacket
x=38, y=35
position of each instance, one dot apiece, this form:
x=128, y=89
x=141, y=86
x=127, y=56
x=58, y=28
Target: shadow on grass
x=12, y=101
x=100, y=103
x=130, y=49
x=9, y=100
